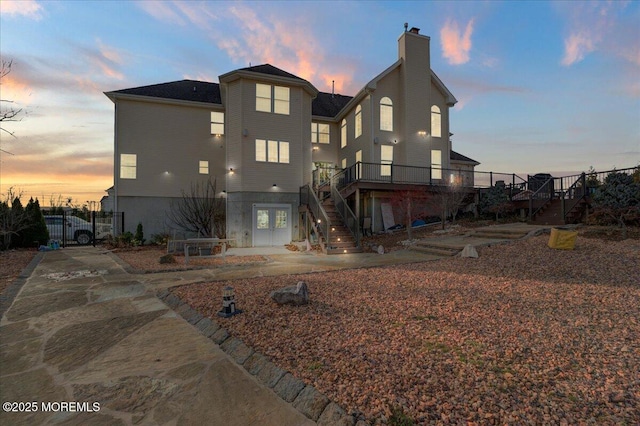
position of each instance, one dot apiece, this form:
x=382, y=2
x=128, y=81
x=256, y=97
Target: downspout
x=116, y=160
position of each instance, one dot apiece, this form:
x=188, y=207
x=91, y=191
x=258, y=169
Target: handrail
x=320, y=218
x=572, y=196
x=547, y=186
x=348, y=217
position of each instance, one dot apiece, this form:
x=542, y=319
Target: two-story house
x=264, y=133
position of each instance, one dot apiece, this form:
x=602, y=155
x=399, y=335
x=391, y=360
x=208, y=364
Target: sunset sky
x=542, y=86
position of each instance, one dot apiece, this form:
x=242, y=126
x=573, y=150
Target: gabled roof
x=328, y=104
x=270, y=70
x=184, y=90
x=454, y=156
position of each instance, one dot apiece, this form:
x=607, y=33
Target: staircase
x=551, y=213
x=340, y=239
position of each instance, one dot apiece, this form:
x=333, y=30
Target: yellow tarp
x=563, y=240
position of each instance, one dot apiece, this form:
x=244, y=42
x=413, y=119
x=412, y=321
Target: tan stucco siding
x=168, y=141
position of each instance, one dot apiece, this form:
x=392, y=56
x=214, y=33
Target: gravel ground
x=522, y=335
x=12, y=262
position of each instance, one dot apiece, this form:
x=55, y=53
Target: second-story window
x=273, y=99
x=343, y=133
x=436, y=122
x=272, y=151
x=358, y=121
x=217, y=123
x=203, y=167
x=386, y=114
x=320, y=133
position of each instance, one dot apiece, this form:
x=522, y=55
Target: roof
x=328, y=104
x=184, y=90
x=270, y=70
x=454, y=156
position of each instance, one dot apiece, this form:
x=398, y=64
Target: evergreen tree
x=36, y=232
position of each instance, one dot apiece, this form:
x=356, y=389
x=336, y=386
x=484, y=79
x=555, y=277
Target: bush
x=618, y=197
x=138, y=238
x=160, y=239
x=36, y=232
x=495, y=202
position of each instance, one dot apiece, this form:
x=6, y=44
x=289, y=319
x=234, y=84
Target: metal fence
x=68, y=228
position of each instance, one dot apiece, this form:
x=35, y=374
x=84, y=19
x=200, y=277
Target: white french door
x=271, y=225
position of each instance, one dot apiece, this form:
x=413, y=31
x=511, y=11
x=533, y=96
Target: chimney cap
x=414, y=30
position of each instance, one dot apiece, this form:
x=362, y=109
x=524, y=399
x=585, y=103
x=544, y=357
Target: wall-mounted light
x=274, y=185
x=230, y=170
x=395, y=141
x=245, y=132
x=376, y=140
x=217, y=135
x=315, y=148
x=422, y=132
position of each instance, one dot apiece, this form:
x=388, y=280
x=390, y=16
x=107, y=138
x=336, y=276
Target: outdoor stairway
x=435, y=247
x=497, y=233
x=341, y=240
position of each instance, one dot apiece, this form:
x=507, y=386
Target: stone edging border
x=305, y=398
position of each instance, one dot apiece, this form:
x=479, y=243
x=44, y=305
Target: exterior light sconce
x=395, y=141
x=245, y=132
x=228, y=303
x=315, y=148
x=422, y=133
x=319, y=220
x=274, y=185
x=230, y=170
x=376, y=140
x=166, y=173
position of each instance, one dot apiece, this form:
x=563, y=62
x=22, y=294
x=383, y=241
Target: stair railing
x=573, y=195
x=545, y=192
x=348, y=217
x=319, y=218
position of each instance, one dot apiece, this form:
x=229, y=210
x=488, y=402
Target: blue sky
x=542, y=86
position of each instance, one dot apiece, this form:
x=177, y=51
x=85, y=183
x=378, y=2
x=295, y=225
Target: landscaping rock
x=167, y=258
x=293, y=295
x=469, y=251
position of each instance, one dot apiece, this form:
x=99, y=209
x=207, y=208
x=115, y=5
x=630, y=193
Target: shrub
x=495, y=201
x=36, y=232
x=138, y=238
x=160, y=239
x=618, y=197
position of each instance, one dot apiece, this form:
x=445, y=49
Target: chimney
x=414, y=30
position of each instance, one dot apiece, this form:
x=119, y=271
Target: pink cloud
x=455, y=44
x=27, y=8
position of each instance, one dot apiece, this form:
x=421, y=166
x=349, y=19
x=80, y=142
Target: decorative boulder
x=293, y=295
x=380, y=249
x=167, y=258
x=469, y=251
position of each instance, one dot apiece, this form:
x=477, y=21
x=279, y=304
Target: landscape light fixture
x=228, y=303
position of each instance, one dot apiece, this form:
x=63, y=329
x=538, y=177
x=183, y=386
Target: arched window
x=358, y=121
x=343, y=134
x=436, y=122
x=386, y=114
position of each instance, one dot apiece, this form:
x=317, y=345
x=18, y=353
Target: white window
x=344, y=163
x=263, y=97
x=272, y=151
x=386, y=159
x=272, y=99
x=217, y=123
x=128, y=166
x=436, y=164
x=320, y=133
x=386, y=114
x=358, y=121
x=358, y=164
x=281, y=100
x=436, y=122
x=203, y=167
x=343, y=134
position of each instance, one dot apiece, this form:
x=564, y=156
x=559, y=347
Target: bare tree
x=411, y=205
x=448, y=199
x=200, y=211
x=11, y=113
